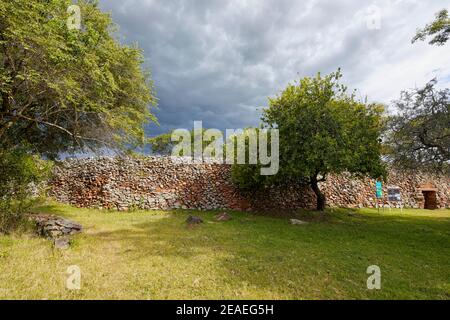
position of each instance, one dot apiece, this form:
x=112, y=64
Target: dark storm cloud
x=218, y=61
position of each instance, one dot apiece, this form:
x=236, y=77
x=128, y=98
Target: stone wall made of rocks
x=171, y=183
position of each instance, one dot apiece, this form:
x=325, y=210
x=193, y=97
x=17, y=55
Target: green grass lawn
x=154, y=255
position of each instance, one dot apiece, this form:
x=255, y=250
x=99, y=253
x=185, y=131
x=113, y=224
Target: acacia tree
x=322, y=130
x=439, y=29
x=63, y=90
x=66, y=89
x=419, y=135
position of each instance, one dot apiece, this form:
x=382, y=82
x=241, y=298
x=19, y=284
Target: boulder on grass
x=191, y=220
x=223, y=217
x=297, y=222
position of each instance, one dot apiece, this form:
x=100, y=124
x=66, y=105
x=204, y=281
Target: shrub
x=19, y=172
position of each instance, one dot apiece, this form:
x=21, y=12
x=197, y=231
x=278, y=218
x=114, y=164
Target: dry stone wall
x=346, y=191
x=172, y=183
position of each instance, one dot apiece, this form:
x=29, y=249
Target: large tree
x=322, y=130
x=439, y=29
x=66, y=89
x=62, y=89
x=419, y=135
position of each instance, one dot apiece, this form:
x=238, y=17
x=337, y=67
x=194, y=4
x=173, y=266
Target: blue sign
x=379, y=189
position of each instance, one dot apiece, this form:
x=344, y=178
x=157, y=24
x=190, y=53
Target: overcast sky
x=218, y=60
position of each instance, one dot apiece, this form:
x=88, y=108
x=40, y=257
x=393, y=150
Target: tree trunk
x=321, y=200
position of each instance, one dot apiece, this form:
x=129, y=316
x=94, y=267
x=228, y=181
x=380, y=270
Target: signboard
x=379, y=189
x=394, y=194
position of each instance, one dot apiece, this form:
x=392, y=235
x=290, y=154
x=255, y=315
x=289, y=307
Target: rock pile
x=56, y=228
x=172, y=183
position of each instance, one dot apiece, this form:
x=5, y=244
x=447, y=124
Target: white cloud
x=218, y=60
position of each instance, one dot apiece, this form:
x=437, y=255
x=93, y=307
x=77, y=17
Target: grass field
x=154, y=255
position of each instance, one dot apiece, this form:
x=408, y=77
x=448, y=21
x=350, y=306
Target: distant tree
x=439, y=28
x=63, y=89
x=322, y=130
x=419, y=135
x=163, y=145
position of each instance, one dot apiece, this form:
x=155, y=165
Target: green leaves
x=439, y=29
x=419, y=135
x=73, y=89
x=323, y=130
x=19, y=172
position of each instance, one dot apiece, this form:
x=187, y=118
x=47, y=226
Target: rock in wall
x=171, y=183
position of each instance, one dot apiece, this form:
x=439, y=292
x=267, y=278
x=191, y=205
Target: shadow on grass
x=318, y=260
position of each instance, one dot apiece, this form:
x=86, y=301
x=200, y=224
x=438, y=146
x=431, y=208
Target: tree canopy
x=439, y=29
x=64, y=89
x=323, y=130
x=419, y=135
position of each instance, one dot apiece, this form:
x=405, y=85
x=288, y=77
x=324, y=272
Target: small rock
x=62, y=243
x=223, y=217
x=194, y=220
x=296, y=221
